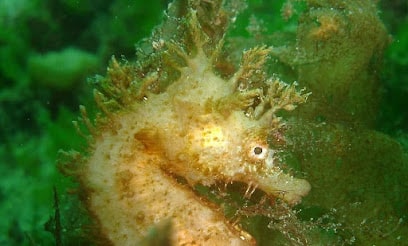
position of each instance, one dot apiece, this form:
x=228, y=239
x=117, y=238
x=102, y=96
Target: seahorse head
x=235, y=149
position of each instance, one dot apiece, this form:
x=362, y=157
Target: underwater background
x=48, y=51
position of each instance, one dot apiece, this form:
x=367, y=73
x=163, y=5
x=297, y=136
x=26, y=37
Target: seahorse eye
x=257, y=150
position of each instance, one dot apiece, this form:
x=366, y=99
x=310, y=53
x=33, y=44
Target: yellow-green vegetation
x=328, y=56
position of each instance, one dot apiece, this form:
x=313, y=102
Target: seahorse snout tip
x=301, y=189
x=286, y=187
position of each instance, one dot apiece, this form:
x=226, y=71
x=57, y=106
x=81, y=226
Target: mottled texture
x=201, y=128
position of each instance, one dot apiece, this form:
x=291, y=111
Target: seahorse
x=157, y=142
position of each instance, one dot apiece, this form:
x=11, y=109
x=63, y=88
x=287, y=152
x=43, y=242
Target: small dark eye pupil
x=257, y=150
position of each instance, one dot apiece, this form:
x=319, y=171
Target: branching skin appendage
x=172, y=123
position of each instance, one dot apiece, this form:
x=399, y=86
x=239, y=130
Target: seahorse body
x=132, y=173
x=202, y=129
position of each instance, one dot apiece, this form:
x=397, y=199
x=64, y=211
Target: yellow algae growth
x=172, y=123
